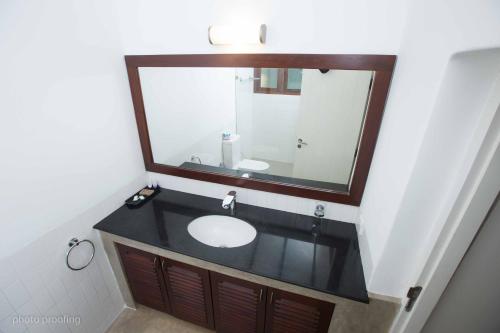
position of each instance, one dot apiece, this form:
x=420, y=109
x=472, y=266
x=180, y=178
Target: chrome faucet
x=229, y=202
x=319, y=212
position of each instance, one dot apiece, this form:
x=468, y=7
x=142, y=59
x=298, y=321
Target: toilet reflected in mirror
x=233, y=159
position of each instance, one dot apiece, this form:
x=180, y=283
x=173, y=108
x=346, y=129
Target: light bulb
x=244, y=34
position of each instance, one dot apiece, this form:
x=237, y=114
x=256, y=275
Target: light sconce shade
x=225, y=35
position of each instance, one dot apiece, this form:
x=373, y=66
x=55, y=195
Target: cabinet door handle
x=271, y=299
x=155, y=267
x=260, y=296
x=163, y=264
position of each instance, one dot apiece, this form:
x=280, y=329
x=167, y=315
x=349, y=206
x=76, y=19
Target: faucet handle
x=319, y=211
x=229, y=199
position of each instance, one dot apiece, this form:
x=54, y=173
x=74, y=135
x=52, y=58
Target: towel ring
x=74, y=242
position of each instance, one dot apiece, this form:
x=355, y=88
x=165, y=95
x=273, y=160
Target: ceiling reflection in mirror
x=287, y=125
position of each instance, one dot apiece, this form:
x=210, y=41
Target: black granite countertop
x=286, y=247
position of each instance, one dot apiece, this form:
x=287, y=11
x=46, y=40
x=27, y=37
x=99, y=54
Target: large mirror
x=298, y=127
x=292, y=125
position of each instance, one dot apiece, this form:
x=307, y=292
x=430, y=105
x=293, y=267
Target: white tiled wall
x=50, y=289
x=36, y=282
x=334, y=211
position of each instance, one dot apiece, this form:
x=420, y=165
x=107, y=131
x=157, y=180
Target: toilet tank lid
x=230, y=139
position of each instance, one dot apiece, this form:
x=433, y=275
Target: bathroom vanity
x=296, y=275
x=304, y=125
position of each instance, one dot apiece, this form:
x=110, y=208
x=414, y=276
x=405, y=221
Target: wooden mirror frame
x=382, y=65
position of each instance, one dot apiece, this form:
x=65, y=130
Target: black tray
x=130, y=203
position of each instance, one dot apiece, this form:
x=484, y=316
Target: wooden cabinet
x=292, y=313
x=188, y=288
x=239, y=306
x=214, y=300
x=144, y=277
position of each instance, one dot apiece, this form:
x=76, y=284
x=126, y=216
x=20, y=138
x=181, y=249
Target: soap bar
x=146, y=192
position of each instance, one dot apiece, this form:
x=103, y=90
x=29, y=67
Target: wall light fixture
x=247, y=34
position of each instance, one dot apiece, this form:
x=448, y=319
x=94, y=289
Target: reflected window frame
x=282, y=84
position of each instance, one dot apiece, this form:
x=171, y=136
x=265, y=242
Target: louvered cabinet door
x=292, y=313
x=144, y=277
x=188, y=289
x=239, y=306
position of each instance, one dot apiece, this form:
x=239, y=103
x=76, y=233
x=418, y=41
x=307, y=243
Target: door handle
x=301, y=143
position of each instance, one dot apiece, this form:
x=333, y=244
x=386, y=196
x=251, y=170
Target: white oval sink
x=221, y=231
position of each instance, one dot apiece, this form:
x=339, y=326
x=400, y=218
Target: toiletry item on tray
x=143, y=196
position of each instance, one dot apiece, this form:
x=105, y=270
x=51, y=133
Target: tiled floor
x=146, y=320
